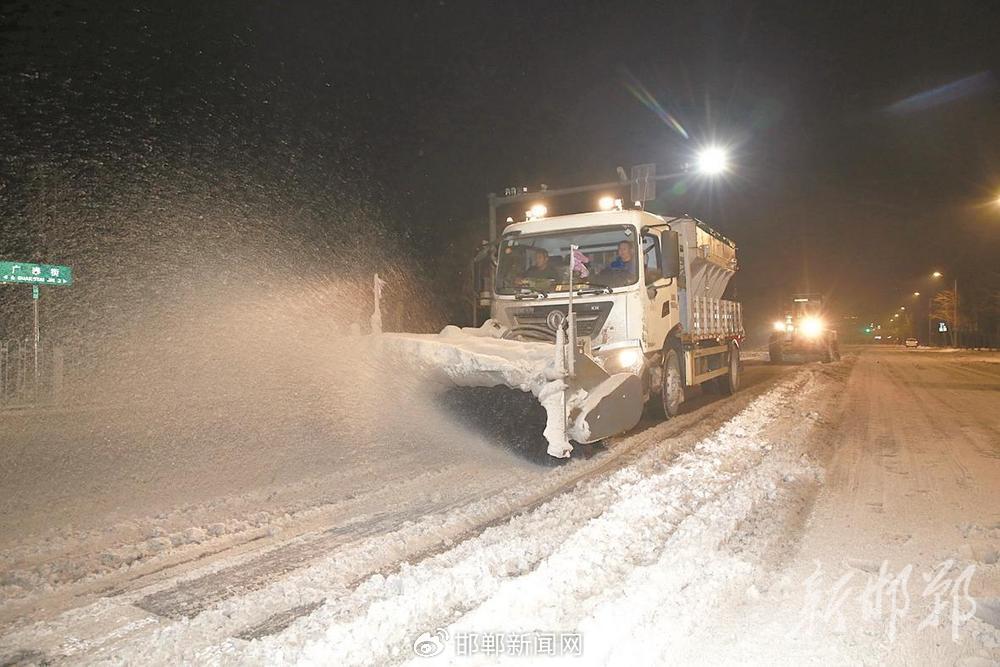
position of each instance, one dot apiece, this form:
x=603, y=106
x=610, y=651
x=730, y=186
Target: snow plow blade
x=584, y=405
x=613, y=404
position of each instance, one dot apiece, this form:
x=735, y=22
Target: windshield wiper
x=594, y=288
x=530, y=293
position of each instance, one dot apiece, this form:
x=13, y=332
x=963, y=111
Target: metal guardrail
x=22, y=384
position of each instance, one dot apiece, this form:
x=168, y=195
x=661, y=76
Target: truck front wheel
x=828, y=354
x=671, y=384
x=774, y=354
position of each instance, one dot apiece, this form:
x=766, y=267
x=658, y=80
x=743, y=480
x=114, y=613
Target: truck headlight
x=812, y=327
x=779, y=326
x=628, y=358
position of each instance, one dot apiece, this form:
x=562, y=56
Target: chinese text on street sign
x=35, y=274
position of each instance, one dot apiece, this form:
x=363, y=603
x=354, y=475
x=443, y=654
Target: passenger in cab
x=626, y=258
x=622, y=271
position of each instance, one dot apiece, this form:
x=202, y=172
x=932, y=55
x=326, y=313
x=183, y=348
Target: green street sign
x=35, y=274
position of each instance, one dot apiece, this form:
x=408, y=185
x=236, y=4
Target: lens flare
x=646, y=98
x=949, y=92
x=812, y=327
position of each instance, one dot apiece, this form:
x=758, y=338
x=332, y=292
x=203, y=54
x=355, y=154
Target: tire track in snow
x=189, y=598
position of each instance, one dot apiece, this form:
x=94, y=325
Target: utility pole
x=492, y=199
x=36, y=336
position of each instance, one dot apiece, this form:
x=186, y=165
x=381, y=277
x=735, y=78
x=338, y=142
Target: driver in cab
x=541, y=269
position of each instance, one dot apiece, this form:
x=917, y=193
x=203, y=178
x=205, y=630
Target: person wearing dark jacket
x=541, y=267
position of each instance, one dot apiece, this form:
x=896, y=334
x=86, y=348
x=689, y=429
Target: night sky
x=842, y=182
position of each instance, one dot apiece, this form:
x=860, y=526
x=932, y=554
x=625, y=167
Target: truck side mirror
x=670, y=256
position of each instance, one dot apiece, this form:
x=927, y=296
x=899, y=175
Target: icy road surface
x=835, y=514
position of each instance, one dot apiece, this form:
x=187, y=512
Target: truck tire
x=671, y=383
x=828, y=353
x=729, y=383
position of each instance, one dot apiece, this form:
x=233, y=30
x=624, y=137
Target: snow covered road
x=786, y=524
x=899, y=562
x=415, y=495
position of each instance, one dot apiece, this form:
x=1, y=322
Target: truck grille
x=534, y=323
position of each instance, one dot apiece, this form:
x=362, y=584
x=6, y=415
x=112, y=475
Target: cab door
x=659, y=293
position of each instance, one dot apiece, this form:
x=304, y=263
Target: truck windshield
x=541, y=262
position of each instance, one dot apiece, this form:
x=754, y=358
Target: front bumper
x=804, y=344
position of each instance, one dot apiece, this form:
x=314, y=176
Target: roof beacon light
x=536, y=212
x=608, y=203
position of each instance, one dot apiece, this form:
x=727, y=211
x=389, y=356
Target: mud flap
x=613, y=404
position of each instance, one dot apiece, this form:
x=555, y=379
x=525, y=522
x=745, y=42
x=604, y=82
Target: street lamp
x=954, y=304
x=713, y=160
x=916, y=294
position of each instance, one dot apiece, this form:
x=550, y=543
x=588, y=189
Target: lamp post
x=930, y=304
x=954, y=309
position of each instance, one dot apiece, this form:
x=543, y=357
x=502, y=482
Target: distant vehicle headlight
x=812, y=327
x=779, y=326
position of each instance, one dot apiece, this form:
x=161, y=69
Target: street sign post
x=643, y=182
x=26, y=273
x=36, y=275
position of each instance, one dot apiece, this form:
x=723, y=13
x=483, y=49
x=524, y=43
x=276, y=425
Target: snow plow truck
x=597, y=314
x=804, y=334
